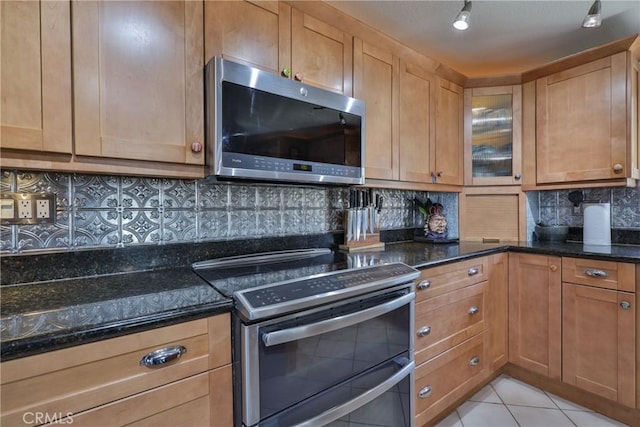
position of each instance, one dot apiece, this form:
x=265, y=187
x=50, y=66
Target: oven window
x=299, y=369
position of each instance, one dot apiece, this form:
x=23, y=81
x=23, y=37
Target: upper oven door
x=285, y=361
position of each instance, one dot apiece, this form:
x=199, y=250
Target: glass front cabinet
x=492, y=135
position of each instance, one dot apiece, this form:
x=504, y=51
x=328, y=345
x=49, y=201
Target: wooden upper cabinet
x=492, y=135
x=447, y=148
x=416, y=123
x=535, y=308
x=375, y=82
x=321, y=54
x=272, y=36
x=582, y=116
x=251, y=33
x=35, y=77
x=138, y=80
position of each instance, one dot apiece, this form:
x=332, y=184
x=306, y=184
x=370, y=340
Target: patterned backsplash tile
x=116, y=211
x=555, y=208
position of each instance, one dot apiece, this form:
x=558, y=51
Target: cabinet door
x=492, y=135
x=498, y=310
x=35, y=77
x=376, y=81
x=535, y=313
x=417, y=130
x=447, y=150
x=581, y=115
x=138, y=80
x=251, y=33
x=321, y=53
x=598, y=341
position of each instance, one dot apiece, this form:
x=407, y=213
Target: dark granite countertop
x=44, y=316
x=54, y=313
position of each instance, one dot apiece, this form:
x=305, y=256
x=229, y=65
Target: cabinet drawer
x=447, y=320
x=78, y=378
x=184, y=402
x=602, y=274
x=447, y=377
x=446, y=278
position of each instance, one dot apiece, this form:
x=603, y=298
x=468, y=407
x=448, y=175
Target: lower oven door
x=379, y=397
x=298, y=369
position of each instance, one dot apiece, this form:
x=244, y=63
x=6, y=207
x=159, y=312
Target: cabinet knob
x=424, y=331
x=474, y=310
x=473, y=271
x=298, y=77
x=617, y=168
x=440, y=174
x=553, y=267
x=474, y=361
x=286, y=72
x=517, y=176
x=196, y=146
x=626, y=305
x=424, y=284
x=424, y=392
x=163, y=356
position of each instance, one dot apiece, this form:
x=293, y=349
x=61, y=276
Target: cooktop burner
x=274, y=283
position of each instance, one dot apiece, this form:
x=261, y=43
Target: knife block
x=372, y=241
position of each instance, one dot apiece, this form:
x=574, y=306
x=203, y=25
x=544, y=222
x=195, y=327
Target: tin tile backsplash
x=116, y=211
x=556, y=208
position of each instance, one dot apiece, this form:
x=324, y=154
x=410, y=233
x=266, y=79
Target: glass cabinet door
x=492, y=135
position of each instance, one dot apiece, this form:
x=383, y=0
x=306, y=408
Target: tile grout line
x=504, y=404
x=561, y=410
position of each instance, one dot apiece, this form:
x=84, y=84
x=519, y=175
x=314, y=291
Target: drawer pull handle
x=626, y=305
x=473, y=271
x=474, y=310
x=424, y=331
x=425, y=392
x=596, y=273
x=474, y=361
x=424, y=284
x=163, y=356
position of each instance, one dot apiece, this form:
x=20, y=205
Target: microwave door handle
x=366, y=397
x=293, y=334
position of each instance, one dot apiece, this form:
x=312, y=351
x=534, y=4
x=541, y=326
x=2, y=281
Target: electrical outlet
x=43, y=208
x=25, y=209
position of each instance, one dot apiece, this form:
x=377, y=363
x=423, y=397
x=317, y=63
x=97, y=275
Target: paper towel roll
x=597, y=224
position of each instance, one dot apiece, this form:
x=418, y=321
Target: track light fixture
x=462, y=20
x=593, y=18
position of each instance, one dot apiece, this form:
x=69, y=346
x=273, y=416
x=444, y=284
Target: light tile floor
x=508, y=402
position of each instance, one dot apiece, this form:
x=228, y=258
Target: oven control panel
x=284, y=297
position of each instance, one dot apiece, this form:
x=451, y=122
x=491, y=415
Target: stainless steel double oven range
x=318, y=343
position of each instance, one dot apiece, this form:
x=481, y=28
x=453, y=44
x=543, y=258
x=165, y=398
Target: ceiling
x=504, y=38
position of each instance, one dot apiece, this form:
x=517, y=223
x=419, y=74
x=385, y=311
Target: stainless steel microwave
x=261, y=126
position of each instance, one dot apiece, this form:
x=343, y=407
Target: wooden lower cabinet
x=461, y=335
x=448, y=320
x=104, y=384
x=598, y=342
x=447, y=377
x=497, y=296
x=535, y=313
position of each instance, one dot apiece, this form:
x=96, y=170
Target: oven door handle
x=293, y=334
x=358, y=402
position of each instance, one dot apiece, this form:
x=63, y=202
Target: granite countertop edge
x=422, y=255
x=32, y=345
